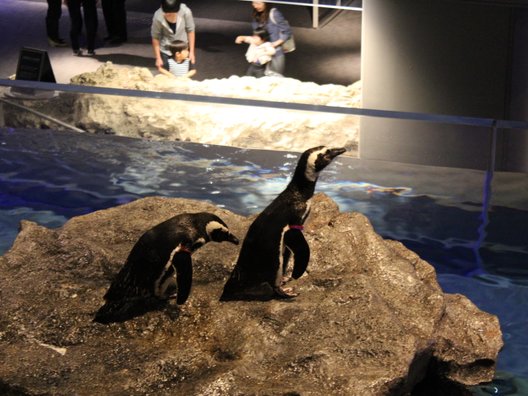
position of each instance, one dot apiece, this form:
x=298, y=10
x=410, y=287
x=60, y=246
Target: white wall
x=443, y=57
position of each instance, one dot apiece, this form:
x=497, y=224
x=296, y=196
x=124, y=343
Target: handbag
x=289, y=44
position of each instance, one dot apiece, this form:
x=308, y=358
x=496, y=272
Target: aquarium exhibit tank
x=469, y=224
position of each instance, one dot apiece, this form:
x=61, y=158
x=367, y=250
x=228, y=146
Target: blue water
x=470, y=226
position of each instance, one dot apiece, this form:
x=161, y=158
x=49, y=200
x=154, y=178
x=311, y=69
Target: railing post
x=315, y=14
x=2, y=118
x=493, y=147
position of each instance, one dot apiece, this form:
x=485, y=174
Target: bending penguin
x=159, y=266
x=277, y=233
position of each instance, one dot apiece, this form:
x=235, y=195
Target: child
x=179, y=64
x=259, y=52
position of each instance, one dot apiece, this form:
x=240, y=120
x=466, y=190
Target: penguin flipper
x=285, y=259
x=296, y=243
x=182, y=261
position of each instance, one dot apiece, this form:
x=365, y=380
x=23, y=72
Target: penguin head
x=217, y=231
x=314, y=160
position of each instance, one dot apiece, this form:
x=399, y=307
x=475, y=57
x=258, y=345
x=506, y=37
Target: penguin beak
x=334, y=152
x=233, y=239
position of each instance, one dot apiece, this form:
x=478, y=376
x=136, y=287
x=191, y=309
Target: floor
x=330, y=54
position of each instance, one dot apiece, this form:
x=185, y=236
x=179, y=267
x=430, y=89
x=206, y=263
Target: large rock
x=240, y=126
x=370, y=319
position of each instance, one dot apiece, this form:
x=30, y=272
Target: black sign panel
x=34, y=65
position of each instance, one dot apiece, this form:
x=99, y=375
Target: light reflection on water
x=48, y=177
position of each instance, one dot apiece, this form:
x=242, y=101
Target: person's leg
x=120, y=20
x=278, y=64
x=250, y=70
x=259, y=71
x=74, y=9
x=52, y=19
x=108, y=14
x=90, y=21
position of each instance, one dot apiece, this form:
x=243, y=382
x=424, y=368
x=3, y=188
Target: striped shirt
x=179, y=69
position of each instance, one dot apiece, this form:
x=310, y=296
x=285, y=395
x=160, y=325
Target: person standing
x=172, y=21
x=114, y=13
x=52, y=23
x=259, y=53
x=89, y=11
x=278, y=28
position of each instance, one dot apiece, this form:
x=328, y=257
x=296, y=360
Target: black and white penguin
x=159, y=266
x=277, y=233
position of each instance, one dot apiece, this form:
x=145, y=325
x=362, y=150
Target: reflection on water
x=48, y=177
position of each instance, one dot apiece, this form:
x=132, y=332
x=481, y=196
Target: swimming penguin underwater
x=160, y=264
x=277, y=233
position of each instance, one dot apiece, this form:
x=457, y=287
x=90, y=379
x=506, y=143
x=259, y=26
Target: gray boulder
x=370, y=319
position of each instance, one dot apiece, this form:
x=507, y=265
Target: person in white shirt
x=179, y=65
x=259, y=53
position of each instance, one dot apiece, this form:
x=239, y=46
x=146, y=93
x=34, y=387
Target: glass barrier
x=438, y=211
x=81, y=149
x=185, y=117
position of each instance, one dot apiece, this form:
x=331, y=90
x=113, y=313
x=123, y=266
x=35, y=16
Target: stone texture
x=240, y=126
x=370, y=319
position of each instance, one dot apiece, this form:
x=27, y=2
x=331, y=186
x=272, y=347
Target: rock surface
x=370, y=319
x=239, y=126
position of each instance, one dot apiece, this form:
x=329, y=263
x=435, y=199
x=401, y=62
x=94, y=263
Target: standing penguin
x=277, y=233
x=159, y=265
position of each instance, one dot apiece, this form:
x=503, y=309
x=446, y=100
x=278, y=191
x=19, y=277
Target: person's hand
x=277, y=43
x=239, y=39
x=192, y=58
x=159, y=62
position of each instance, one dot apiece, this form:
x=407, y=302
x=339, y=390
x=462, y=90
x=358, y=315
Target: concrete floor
x=330, y=54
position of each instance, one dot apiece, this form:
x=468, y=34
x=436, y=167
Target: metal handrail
x=42, y=115
x=399, y=115
x=315, y=3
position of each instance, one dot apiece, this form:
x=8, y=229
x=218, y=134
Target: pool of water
x=469, y=224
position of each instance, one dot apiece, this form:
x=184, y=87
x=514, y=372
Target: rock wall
x=240, y=126
x=370, y=319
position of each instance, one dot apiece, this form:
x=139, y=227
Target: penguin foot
x=126, y=309
x=261, y=292
x=285, y=292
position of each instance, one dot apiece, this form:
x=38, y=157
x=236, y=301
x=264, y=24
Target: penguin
x=159, y=266
x=277, y=233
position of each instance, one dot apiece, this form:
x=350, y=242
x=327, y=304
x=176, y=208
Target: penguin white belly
x=278, y=275
x=166, y=279
x=307, y=211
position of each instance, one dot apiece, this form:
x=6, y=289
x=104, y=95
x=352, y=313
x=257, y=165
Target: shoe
x=90, y=53
x=58, y=42
x=77, y=52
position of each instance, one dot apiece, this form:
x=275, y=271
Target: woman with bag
x=279, y=30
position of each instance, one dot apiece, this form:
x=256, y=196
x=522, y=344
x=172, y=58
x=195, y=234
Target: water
x=49, y=177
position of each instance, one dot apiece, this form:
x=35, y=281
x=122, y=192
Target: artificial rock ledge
x=239, y=126
x=371, y=318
